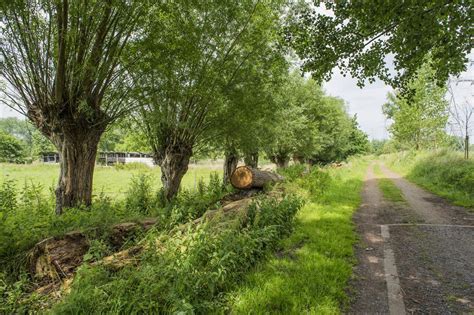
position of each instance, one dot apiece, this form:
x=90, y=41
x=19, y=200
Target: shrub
x=293, y=172
x=139, y=196
x=11, y=149
x=316, y=181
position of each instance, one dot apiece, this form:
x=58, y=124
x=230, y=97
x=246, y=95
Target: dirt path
x=415, y=257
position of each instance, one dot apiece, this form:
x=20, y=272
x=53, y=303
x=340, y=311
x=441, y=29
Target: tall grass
x=443, y=172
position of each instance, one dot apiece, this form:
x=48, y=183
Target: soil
x=433, y=244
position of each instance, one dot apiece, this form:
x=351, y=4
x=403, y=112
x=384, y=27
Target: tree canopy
x=358, y=36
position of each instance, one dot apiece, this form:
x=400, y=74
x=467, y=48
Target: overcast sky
x=366, y=102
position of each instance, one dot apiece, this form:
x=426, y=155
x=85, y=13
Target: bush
x=316, y=182
x=11, y=149
x=139, y=197
x=293, y=172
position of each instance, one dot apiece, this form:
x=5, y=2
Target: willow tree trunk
x=298, y=159
x=230, y=164
x=174, y=164
x=251, y=159
x=282, y=161
x=77, y=162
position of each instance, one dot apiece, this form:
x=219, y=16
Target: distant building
x=50, y=157
x=107, y=158
x=111, y=158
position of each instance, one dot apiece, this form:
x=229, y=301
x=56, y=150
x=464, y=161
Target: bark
x=298, y=159
x=230, y=164
x=282, y=161
x=77, y=162
x=174, y=164
x=251, y=159
x=245, y=177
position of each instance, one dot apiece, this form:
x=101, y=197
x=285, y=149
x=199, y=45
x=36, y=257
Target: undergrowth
x=188, y=272
x=27, y=217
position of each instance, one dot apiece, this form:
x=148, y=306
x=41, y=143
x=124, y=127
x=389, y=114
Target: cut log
x=245, y=177
x=57, y=258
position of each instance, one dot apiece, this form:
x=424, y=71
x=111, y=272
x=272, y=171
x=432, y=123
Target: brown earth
x=433, y=246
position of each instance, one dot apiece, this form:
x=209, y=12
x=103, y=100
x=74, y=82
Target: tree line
x=195, y=74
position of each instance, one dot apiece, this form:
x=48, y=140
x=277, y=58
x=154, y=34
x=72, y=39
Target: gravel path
x=434, y=258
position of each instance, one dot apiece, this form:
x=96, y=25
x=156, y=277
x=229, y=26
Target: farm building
x=111, y=158
x=50, y=157
x=107, y=158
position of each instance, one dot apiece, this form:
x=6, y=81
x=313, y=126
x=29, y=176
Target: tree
x=61, y=62
x=358, y=142
x=11, y=149
x=462, y=115
x=357, y=36
x=192, y=51
x=419, y=121
x=241, y=126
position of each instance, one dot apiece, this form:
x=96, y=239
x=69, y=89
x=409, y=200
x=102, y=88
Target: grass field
x=310, y=274
x=112, y=181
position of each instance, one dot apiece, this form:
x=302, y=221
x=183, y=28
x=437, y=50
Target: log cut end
x=242, y=177
x=245, y=177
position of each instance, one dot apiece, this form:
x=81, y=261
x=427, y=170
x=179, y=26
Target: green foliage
x=376, y=146
x=359, y=35
x=97, y=250
x=316, y=182
x=443, y=172
x=190, y=271
x=8, y=199
x=139, y=196
x=293, y=172
x=311, y=126
x=11, y=149
x=419, y=120
x=191, y=204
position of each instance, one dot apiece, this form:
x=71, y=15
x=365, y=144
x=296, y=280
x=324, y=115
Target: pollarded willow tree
x=359, y=35
x=61, y=62
x=240, y=126
x=191, y=53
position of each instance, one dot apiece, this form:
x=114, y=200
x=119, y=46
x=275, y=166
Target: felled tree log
x=57, y=258
x=245, y=177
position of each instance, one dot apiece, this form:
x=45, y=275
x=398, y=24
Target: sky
x=366, y=102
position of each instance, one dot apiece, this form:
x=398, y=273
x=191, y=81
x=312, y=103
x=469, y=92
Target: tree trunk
x=230, y=164
x=77, y=162
x=246, y=177
x=298, y=159
x=466, y=146
x=174, y=165
x=251, y=159
x=282, y=161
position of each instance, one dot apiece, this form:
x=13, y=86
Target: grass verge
x=389, y=190
x=310, y=272
x=444, y=173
